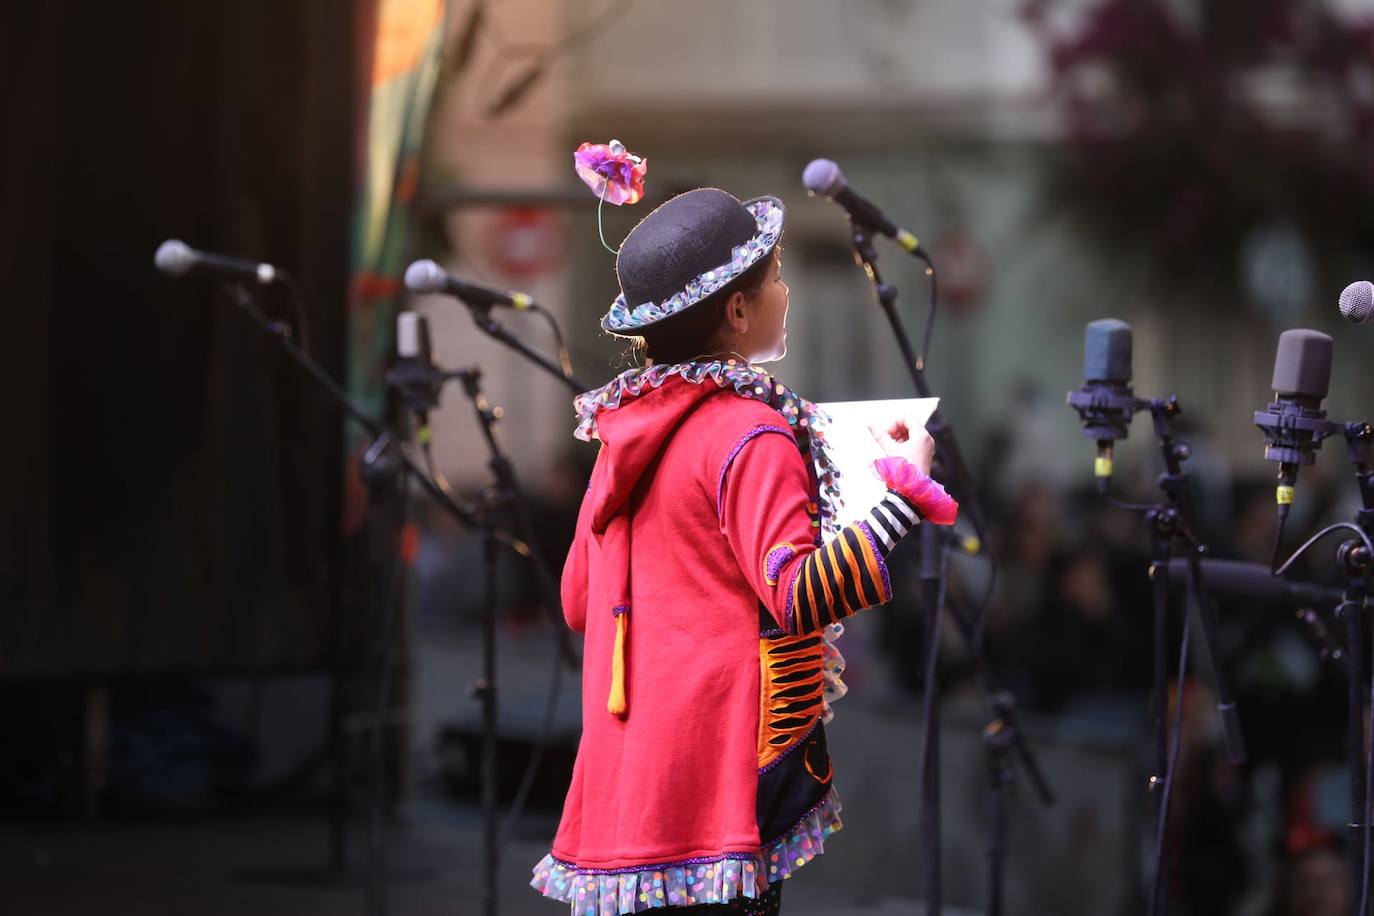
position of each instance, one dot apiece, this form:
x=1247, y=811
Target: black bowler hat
x=686, y=250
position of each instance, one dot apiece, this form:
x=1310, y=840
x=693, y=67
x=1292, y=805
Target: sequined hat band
x=767, y=213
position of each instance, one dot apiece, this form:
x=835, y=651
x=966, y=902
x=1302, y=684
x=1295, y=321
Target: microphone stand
x=386, y=468
x=1002, y=737
x=934, y=568
x=424, y=384
x=504, y=492
x=279, y=331
x=384, y=461
x=386, y=480
x=1354, y=559
x=1170, y=521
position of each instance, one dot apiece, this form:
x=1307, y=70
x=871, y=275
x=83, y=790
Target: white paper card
x=853, y=449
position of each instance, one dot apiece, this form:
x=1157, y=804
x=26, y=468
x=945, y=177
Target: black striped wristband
x=891, y=519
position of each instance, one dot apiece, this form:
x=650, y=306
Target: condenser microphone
x=823, y=177
x=177, y=259
x=1105, y=402
x=1294, y=424
x=1357, y=302
x=428, y=277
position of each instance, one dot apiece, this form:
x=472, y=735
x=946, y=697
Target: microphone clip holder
x=487, y=413
x=1293, y=433
x=1105, y=412
x=418, y=384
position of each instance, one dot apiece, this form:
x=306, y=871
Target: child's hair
x=680, y=338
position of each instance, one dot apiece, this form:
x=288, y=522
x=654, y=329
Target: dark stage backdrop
x=172, y=484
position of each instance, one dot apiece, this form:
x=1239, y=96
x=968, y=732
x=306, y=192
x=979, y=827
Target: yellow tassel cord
x=616, y=703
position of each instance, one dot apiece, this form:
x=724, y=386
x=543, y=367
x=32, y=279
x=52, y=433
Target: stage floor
x=201, y=866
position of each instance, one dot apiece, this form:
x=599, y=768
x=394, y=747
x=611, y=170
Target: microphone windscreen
x=425, y=277
x=1107, y=351
x=174, y=258
x=1302, y=365
x=823, y=177
x=1357, y=301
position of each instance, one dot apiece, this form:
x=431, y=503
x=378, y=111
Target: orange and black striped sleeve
x=770, y=522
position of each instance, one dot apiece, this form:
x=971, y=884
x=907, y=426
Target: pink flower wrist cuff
x=929, y=498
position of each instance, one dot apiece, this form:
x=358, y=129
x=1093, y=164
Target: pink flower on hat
x=614, y=174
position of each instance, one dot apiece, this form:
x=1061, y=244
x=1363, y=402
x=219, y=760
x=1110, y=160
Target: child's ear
x=735, y=312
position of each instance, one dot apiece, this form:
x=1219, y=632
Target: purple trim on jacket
x=878, y=553
x=730, y=458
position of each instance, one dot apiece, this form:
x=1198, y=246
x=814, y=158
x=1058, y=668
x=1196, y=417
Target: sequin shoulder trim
x=805, y=420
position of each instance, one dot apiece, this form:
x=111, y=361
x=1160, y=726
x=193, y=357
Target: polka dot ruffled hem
x=719, y=880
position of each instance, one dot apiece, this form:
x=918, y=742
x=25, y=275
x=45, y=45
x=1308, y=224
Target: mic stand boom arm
x=481, y=316
x=241, y=299
x=945, y=443
x=465, y=516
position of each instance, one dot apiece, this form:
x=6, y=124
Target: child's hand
x=905, y=439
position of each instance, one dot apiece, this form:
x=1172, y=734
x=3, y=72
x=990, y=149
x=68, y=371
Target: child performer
x=707, y=574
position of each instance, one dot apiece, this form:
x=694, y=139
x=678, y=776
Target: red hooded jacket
x=700, y=529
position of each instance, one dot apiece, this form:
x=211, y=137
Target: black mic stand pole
x=386, y=481
x=505, y=492
x=481, y=316
x=934, y=563
x=1355, y=561
x=1002, y=733
x=497, y=497
x=1002, y=737
x=1170, y=520
x=997, y=739
x=1284, y=435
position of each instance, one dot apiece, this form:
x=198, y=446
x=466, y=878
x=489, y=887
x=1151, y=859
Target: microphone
x=1294, y=424
x=428, y=277
x=1253, y=582
x=824, y=177
x=413, y=374
x=1105, y=402
x=177, y=259
x=1357, y=302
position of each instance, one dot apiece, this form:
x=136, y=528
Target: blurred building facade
x=944, y=113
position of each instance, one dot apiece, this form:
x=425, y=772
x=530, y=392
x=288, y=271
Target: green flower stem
x=599, y=230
